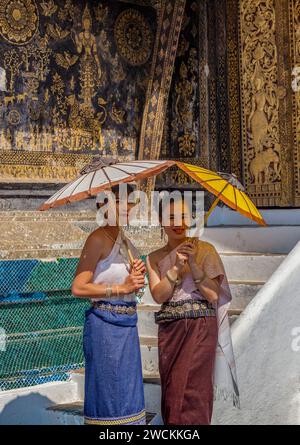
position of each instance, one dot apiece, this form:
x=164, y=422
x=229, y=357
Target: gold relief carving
x=101, y=12
x=170, y=17
x=14, y=117
x=259, y=166
x=185, y=92
x=203, y=81
x=284, y=94
x=48, y=111
x=66, y=59
x=179, y=177
x=58, y=89
x=40, y=166
x=41, y=57
x=117, y=115
x=187, y=144
x=294, y=20
x=260, y=103
x=70, y=10
x=85, y=130
x=133, y=37
x=90, y=70
x=48, y=8
x=12, y=63
x=6, y=139
x=56, y=32
x=234, y=88
x=18, y=20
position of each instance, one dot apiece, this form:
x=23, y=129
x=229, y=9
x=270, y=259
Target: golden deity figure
x=258, y=120
x=90, y=70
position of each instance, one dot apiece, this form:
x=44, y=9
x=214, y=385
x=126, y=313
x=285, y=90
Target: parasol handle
x=130, y=256
x=213, y=206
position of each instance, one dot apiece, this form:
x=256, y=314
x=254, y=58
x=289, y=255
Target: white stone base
x=266, y=340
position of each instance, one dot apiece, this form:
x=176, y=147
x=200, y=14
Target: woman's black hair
x=162, y=203
x=115, y=190
x=130, y=188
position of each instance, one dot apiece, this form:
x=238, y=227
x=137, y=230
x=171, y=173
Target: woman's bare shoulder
x=97, y=237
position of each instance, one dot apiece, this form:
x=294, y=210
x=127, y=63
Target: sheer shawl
x=225, y=379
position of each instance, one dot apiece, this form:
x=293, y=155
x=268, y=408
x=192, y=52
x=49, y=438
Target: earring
x=165, y=238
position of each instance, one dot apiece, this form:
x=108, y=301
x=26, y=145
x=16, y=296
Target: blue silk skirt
x=114, y=392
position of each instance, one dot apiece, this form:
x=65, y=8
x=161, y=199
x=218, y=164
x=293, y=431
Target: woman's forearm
x=91, y=290
x=164, y=290
x=208, y=287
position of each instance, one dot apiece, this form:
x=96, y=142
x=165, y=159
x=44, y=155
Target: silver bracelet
x=199, y=280
x=108, y=291
x=176, y=281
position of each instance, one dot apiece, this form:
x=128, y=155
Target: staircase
x=247, y=253
x=250, y=256
x=246, y=272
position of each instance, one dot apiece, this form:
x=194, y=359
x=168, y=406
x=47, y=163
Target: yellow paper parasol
x=226, y=188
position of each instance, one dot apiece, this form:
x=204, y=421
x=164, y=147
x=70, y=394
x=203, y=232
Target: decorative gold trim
x=234, y=88
x=294, y=31
x=118, y=309
x=41, y=166
x=260, y=101
x=170, y=15
x=120, y=421
x=203, y=84
x=284, y=81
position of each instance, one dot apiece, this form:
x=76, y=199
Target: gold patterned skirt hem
x=134, y=419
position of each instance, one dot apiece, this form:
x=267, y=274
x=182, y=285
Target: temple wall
x=73, y=81
x=233, y=104
x=210, y=82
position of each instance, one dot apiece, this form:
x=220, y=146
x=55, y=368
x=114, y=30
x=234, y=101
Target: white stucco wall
x=266, y=341
x=224, y=216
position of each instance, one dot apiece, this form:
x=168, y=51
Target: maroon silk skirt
x=187, y=349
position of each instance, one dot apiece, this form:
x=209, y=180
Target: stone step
x=250, y=267
x=148, y=328
x=149, y=353
x=51, y=215
x=242, y=293
x=42, y=254
x=272, y=239
x=28, y=235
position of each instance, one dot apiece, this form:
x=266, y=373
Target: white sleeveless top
x=114, y=269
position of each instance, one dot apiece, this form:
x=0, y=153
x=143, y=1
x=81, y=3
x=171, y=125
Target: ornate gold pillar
x=294, y=30
x=266, y=30
x=170, y=15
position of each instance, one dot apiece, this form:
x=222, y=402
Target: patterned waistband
x=175, y=310
x=117, y=309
